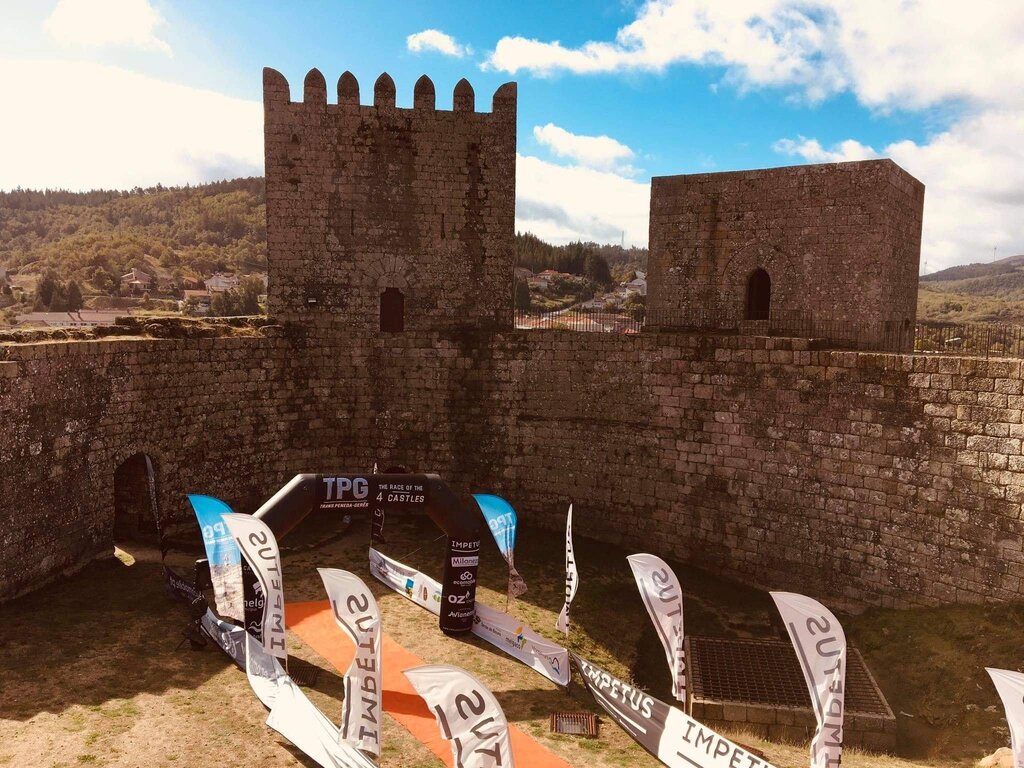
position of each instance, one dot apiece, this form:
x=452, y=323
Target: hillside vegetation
x=95, y=237
x=92, y=238
x=975, y=293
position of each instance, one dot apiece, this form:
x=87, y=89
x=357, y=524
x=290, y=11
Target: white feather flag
x=571, y=578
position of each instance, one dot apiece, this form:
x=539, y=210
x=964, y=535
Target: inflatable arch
x=377, y=494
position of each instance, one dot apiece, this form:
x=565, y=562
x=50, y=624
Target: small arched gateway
x=135, y=500
x=759, y=295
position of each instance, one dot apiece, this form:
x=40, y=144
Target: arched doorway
x=392, y=311
x=135, y=500
x=759, y=295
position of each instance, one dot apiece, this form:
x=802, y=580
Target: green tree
x=103, y=281
x=75, y=302
x=45, y=289
x=59, y=298
x=522, y=295
x=225, y=304
x=635, y=305
x=249, y=291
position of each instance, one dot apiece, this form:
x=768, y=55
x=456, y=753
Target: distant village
x=548, y=281
x=143, y=292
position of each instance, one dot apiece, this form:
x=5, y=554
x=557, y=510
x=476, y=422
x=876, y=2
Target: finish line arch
x=377, y=494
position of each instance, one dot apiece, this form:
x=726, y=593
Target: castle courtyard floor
x=90, y=673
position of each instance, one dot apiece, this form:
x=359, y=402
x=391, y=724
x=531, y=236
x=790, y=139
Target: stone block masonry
x=858, y=478
x=840, y=241
x=362, y=199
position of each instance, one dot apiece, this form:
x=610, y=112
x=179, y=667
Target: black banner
x=638, y=714
x=458, y=586
x=672, y=736
x=254, y=601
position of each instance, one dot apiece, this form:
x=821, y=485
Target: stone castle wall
x=211, y=413
x=840, y=240
x=859, y=478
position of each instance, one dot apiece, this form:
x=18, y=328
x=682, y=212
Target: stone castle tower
x=837, y=241
x=382, y=218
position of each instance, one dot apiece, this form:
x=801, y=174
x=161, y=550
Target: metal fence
x=579, y=319
x=928, y=337
x=986, y=339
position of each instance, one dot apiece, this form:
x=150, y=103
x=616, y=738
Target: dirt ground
x=91, y=672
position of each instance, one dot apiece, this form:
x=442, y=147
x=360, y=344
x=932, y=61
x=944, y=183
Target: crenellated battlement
x=373, y=207
x=276, y=90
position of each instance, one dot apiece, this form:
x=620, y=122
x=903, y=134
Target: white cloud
x=812, y=151
x=600, y=152
x=436, y=40
x=890, y=54
x=93, y=126
x=101, y=23
x=974, y=178
x=966, y=58
x=560, y=204
x=764, y=43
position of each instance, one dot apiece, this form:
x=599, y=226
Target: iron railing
x=579, y=319
x=928, y=337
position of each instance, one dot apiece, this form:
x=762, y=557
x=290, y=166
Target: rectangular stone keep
x=840, y=241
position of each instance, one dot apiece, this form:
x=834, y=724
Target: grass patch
x=94, y=659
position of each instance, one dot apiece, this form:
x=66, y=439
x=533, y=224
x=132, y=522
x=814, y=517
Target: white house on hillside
x=220, y=282
x=638, y=284
x=136, y=281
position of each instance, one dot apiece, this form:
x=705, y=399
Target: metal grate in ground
x=767, y=672
x=302, y=672
x=574, y=723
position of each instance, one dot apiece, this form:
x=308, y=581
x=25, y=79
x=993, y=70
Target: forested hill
x=597, y=261
x=975, y=293
x=94, y=237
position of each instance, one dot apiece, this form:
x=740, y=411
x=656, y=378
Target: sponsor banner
x=1010, y=686
x=572, y=577
x=361, y=711
x=405, y=494
x=357, y=614
x=672, y=736
x=179, y=587
x=497, y=628
x=501, y=519
x=458, y=585
x=345, y=493
x=228, y=637
x=254, y=602
x=521, y=642
x=421, y=589
x=468, y=715
x=265, y=617
x=263, y=671
x=222, y=554
x=820, y=645
x=296, y=718
x=663, y=599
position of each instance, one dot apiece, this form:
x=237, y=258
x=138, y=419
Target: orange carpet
x=314, y=623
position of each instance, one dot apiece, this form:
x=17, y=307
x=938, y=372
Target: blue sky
x=118, y=93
